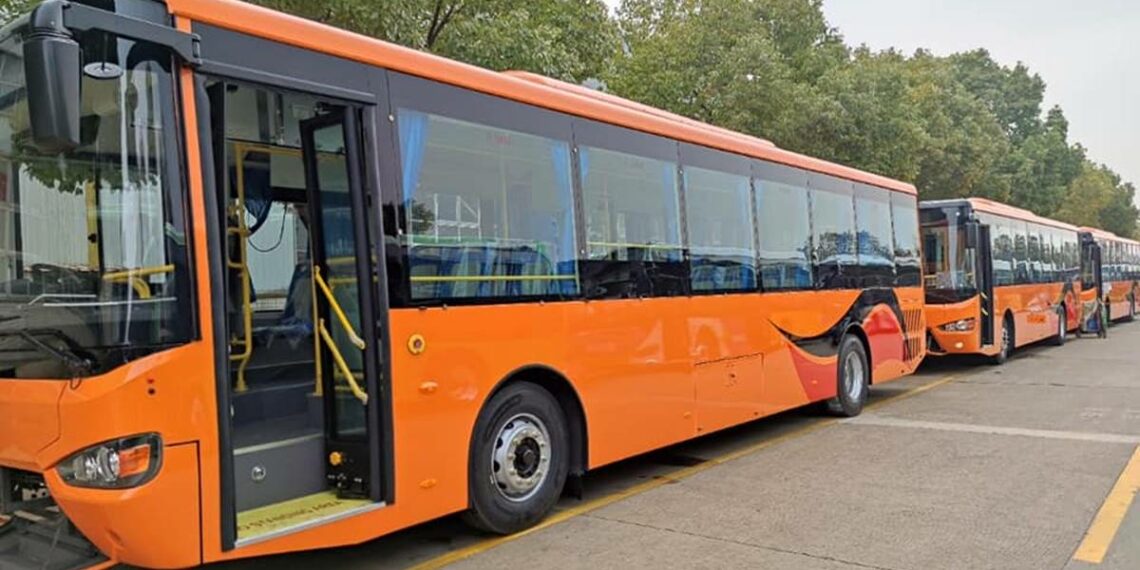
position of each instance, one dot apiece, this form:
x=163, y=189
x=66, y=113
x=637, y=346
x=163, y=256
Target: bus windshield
x=93, y=268
x=949, y=265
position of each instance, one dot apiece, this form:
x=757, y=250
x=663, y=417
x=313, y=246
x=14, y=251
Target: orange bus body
x=1121, y=269
x=646, y=373
x=1034, y=309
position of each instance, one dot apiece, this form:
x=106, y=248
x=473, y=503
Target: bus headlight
x=961, y=325
x=118, y=464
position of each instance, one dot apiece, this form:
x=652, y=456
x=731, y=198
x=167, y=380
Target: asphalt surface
x=962, y=466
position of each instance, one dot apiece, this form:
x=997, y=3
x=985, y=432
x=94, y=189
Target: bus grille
x=914, y=333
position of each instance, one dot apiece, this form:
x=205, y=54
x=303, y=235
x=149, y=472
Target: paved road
x=963, y=466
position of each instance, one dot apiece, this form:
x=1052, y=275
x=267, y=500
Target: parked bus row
x=999, y=277
x=296, y=288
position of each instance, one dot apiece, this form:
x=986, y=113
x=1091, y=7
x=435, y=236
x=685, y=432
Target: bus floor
x=964, y=465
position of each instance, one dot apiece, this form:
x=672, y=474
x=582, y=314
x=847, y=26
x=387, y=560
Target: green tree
x=571, y=40
x=1013, y=95
x=1090, y=193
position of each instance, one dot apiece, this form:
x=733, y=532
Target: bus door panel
x=344, y=282
x=1092, y=284
x=985, y=272
x=301, y=437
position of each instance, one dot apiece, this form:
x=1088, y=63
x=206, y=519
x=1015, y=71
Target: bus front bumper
x=156, y=524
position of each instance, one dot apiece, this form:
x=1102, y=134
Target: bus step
x=280, y=470
x=44, y=540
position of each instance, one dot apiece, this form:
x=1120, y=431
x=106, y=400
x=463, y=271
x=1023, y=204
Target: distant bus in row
x=999, y=277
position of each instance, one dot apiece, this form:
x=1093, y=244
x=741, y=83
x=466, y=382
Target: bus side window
x=718, y=215
x=874, y=248
x=784, y=222
x=833, y=231
x=904, y=218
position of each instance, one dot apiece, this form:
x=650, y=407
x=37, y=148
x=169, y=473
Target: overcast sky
x=1080, y=48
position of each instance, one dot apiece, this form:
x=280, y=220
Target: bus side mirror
x=52, y=73
x=973, y=233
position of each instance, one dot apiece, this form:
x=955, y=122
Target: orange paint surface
x=648, y=373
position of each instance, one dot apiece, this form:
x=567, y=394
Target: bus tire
x=1008, y=341
x=853, y=379
x=519, y=459
x=1062, y=328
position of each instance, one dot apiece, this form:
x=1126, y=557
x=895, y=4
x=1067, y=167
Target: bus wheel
x=518, y=459
x=1062, y=327
x=853, y=379
x=1007, y=342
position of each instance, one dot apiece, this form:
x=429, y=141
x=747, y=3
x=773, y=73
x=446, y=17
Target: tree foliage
x=571, y=40
x=955, y=126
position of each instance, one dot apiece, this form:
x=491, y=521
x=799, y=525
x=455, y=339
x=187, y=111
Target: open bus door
x=303, y=313
x=1092, y=285
x=983, y=258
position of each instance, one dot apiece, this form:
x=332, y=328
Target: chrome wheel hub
x=853, y=376
x=520, y=458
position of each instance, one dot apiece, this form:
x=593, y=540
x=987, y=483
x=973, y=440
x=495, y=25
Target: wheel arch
x=559, y=386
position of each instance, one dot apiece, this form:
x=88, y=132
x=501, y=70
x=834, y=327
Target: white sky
x=1080, y=48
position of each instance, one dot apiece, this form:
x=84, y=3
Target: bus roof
x=999, y=209
x=1106, y=235
x=524, y=88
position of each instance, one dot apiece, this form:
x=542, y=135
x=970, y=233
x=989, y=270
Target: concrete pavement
x=995, y=467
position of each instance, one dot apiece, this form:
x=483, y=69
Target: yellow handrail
x=242, y=266
x=338, y=358
x=465, y=278
x=134, y=277
x=335, y=306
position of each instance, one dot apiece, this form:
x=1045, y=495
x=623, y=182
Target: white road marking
x=875, y=420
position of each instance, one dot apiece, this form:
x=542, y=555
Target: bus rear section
x=997, y=277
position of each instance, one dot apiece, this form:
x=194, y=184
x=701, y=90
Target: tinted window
x=785, y=234
x=1001, y=248
x=904, y=216
x=1048, y=258
x=633, y=225
x=1034, y=241
x=718, y=210
x=833, y=230
x=631, y=206
x=1020, y=252
x=489, y=211
x=874, y=245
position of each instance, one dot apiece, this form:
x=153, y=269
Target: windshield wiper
x=69, y=355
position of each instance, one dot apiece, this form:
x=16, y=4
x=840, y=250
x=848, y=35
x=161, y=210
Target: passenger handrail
x=135, y=277
x=336, y=309
x=338, y=358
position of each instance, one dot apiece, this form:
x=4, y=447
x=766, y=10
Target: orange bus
x=1119, y=273
x=271, y=286
x=997, y=277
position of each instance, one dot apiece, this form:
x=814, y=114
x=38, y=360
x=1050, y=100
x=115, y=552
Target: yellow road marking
x=594, y=504
x=1111, y=514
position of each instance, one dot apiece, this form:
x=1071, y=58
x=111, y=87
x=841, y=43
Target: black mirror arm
x=63, y=17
